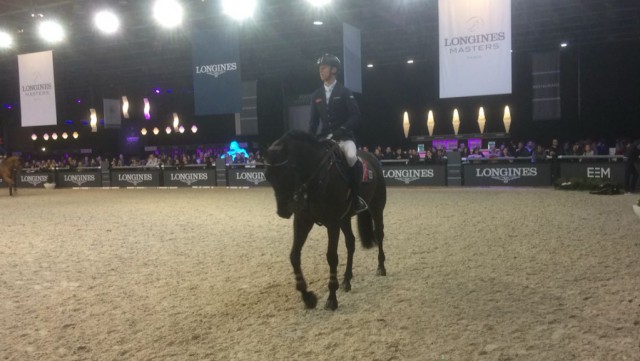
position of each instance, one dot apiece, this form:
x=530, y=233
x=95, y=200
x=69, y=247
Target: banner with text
x=217, y=82
x=545, y=76
x=37, y=89
x=475, y=47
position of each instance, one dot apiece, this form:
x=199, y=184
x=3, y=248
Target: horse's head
x=280, y=173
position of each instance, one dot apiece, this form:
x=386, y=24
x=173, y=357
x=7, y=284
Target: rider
x=334, y=106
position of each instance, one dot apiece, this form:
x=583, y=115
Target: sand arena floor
x=194, y=274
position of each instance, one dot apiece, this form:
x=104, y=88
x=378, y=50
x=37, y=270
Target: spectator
x=152, y=161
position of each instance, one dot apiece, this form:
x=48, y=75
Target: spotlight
x=125, y=107
x=239, y=9
x=181, y=129
x=410, y=61
x=54, y=136
x=369, y=65
x=168, y=13
x=143, y=131
x=176, y=121
x=34, y=136
x=168, y=130
x=156, y=130
x=194, y=129
x=94, y=120
x=319, y=3
x=45, y=136
x=65, y=135
x=318, y=22
x=44, y=149
x=75, y=135
x=107, y=22
x=147, y=109
x=51, y=32
x=6, y=41
x=563, y=45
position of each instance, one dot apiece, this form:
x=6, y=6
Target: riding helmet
x=331, y=60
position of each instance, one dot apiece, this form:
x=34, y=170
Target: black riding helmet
x=331, y=60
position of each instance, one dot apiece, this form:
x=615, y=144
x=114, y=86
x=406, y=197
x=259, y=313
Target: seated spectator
x=521, y=151
x=464, y=151
x=539, y=154
x=388, y=153
x=429, y=157
x=152, y=161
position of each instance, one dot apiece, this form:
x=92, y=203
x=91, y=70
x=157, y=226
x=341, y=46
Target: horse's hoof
x=331, y=305
x=310, y=300
x=346, y=286
x=381, y=271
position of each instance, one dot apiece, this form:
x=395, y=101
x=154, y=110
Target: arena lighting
x=107, y=22
x=168, y=13
x=181, y=129
x=410, y=61
x=6, y=40
x=318, y=22
x=94, y=120
x=156, y=130
x=34, y=136
x=405, y=124
x=168, y=129
x=147, y=109
x=44, y=149
x=239, y=9
x=456, y=121
x=51, y=31
x=45, y=136
x=176, y=121
x=507, y=119
x=563, y=45
x=319, y=3
x=54, y=136
x=65, y=135
x=430, y=122
x=481, y=120
x=125, y=107
x=369, y=65
x=143, y=131
x=75, y=135
x=194, y=129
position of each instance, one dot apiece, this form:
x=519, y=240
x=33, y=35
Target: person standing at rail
x=631, y=171
x=334, y=106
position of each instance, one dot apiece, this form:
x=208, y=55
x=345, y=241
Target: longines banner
x=37, y=89
x=135, y=178
x=475, y=47
x=190, y=178
x=249, y=177
x=414, y=175
x=507, y=174
x=32, y=179
x=217, y=84
x=85, y=178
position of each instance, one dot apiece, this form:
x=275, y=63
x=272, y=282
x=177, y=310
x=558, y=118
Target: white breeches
x=350, y=152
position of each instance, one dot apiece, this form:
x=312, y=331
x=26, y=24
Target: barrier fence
x=485, y=172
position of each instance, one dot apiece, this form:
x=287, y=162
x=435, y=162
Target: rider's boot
x=355, y=177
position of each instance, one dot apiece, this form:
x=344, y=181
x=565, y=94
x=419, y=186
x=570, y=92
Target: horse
x=309, y=180
x=8, y=168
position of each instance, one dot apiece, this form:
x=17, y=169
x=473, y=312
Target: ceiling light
x=194, y=129
x=168, y=130
x=181, y=129
x=156, y=130
x=75, y=135
x=147, y=109
x=45, y=136
x=563, y=45
x=239, y=9
x=125, y=107
x=176, y=121
x=318, y=22
x=410, y=61
x=51, y=31
x=65, y=135
x=54, y=136
x=319, y=3
x=168, y=13
x=107, y=22
x=143, y=131
x=6, y=41
x=369, y=65
x=34, y=136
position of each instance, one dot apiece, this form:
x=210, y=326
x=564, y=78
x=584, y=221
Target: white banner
x=37, y=89
x=475, y=47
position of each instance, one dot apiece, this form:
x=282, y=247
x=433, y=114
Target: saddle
x=341, y=161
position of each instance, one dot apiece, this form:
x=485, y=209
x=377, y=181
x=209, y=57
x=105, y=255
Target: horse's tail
x=365, y=229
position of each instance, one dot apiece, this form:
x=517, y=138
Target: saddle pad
x=367, y=174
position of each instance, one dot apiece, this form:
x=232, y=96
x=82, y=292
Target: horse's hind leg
x=333, y=231
x=378, y=224
x=301, y=230
x=350, y=242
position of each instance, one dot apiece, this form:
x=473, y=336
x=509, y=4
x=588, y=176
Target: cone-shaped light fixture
x=507, y=119
x=147, y=109
x=125, y=107
x=176, y=121
x=456, y=121
x=94, y=120
x=405, y=124
x=481, y=120
x=430, y=122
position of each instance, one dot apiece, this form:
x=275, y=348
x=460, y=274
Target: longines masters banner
x=475, y=47
x=37, y=89
x=217, y=84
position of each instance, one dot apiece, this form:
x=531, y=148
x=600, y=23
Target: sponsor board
x=522, y=174
x=135, y=178
x=190, y=178
x=252, y=177
x=32, y=180
x=79, y=179
x=417, y=175
x=593, y=170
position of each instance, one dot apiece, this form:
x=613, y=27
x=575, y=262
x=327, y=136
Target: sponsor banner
x=475, y=47
x=32, y=179
x=414, y=175
x=593, y=170
x=217, y=84
x=250, y=177
x=37, y=89
x=545, y=78
x=190, y=178
x=508, y=174
x=135, y=178
x=81, y=178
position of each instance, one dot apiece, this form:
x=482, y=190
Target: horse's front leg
x=301, y=228
x=333, y=231
x=350, y=242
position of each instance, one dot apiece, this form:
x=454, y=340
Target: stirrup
x=359, y=205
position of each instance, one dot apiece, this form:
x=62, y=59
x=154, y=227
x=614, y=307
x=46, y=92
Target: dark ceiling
x=279, y=41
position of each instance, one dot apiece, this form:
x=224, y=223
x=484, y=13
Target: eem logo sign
x=506, y=175
x=407, y=176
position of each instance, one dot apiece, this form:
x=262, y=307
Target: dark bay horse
x=8, y=170
x=309, y=180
